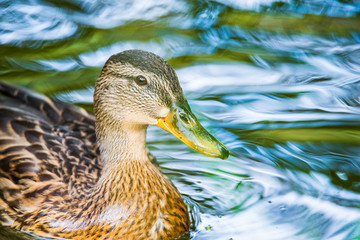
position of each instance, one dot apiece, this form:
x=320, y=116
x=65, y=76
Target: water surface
x=277, y=81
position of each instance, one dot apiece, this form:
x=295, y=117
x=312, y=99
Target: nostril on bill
x=184, y=118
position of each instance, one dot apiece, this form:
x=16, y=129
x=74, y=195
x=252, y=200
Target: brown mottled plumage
x=60, y=179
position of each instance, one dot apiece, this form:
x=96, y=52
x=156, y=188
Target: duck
x=66, y=173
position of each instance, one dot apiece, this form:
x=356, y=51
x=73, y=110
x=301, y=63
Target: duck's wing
x=47, y=148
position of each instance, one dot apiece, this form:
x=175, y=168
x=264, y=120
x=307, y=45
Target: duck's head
x=138, y=88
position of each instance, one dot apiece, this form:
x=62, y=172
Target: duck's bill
x=182, y=123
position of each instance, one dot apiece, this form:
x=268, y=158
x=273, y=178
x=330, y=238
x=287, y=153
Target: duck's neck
x=124, y=156
x=122, y=144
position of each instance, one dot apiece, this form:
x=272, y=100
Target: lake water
x=278, y=82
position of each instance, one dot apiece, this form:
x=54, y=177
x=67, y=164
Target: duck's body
x=60, y=179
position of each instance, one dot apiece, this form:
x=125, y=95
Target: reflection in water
x=276, y=81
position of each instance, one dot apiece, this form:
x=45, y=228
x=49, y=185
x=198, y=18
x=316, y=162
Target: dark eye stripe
x=141, y=80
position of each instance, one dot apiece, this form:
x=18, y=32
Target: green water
x=277, y=81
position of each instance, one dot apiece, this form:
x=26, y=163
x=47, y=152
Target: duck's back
x=48, y=150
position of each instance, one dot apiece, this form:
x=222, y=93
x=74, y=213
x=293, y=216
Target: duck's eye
x=141, y=80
